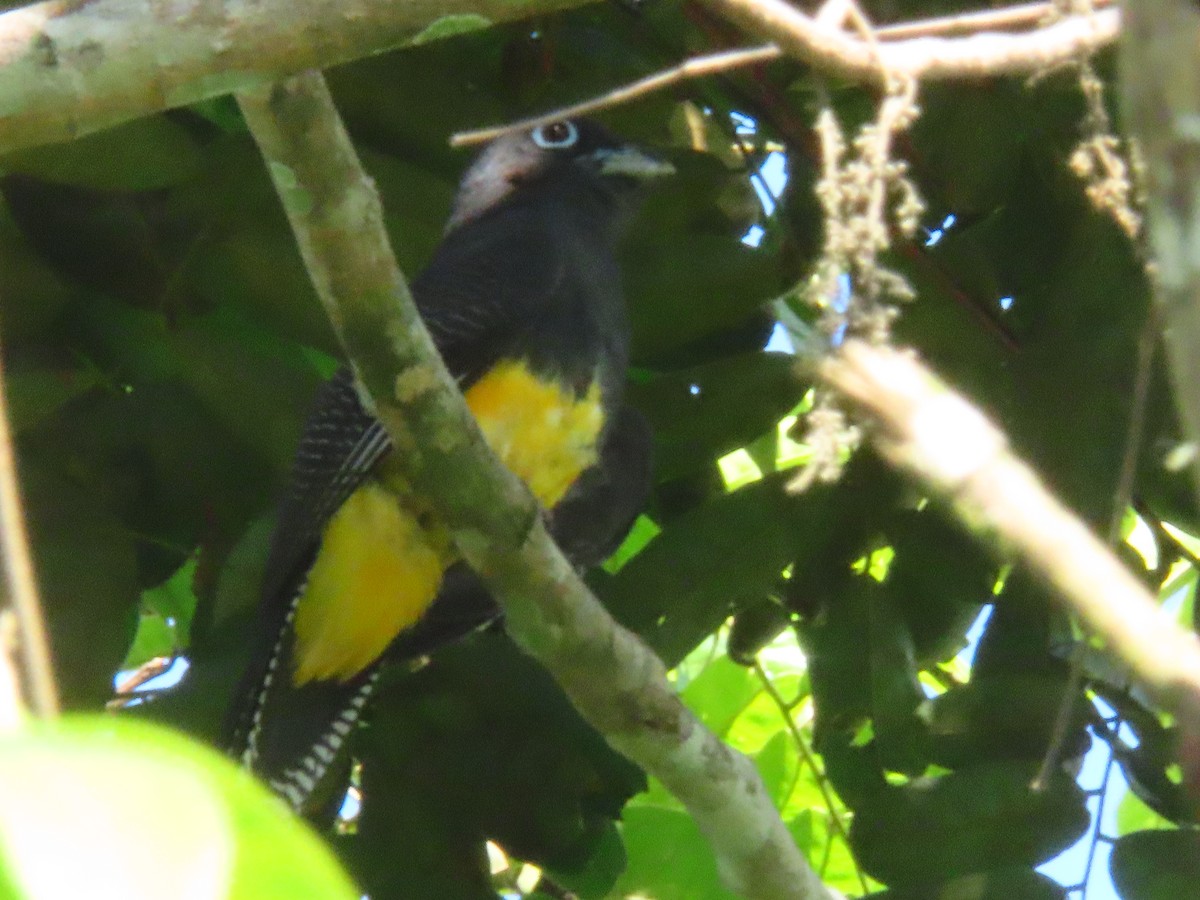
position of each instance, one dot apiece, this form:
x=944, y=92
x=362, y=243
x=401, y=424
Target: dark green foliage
x=1156, y=865
x=162, y=343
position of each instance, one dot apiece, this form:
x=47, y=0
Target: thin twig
x=1004, y=18
x=727, y=60
x=20, y=578
x=1122, y=497
x=711, y=64
x=806, y=754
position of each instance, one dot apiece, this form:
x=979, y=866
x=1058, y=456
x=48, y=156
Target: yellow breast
x=541, y=430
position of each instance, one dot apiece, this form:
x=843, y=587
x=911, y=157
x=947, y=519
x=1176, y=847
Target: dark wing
x=269, y=718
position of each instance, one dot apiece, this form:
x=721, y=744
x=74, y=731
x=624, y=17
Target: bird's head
x=571, y=148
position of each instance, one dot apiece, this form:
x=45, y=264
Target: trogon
x=523, y=300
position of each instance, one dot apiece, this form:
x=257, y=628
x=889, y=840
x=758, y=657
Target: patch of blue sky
x=933, y=236
x=754, y=236
x=743, y=124
x=780, y=341
x=770, y=180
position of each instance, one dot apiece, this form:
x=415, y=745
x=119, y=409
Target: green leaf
x=1134, y=815
x=482, y=744
x=153, y=638
x=1156, y=865
x=143, y=154
x=701, y=413
x=87, y=573
x=708, y=562
x=449, y=26
x=972, y=820
x=777, y=766
x=36, y=391
x=1002, y=884
x=150, y=815
x=1003, y=716
x=175, y=598
x=668, y=857
x=721, y=693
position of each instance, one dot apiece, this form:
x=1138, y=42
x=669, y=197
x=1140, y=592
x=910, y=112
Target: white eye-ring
x=555, y=136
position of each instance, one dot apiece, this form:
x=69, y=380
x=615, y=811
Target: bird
x=523, y=300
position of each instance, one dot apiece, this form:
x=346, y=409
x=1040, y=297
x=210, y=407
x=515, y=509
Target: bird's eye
x=555, y=136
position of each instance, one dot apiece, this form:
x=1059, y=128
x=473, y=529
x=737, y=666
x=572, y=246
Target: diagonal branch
x=610, y=675
x=936, y=434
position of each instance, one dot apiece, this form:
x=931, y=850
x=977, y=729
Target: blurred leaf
x=895, y=692
x=972, y=820
x=720, y=693
x=1134, y=815
x=215, y=352
x=1156, y=865
x=1002, y=717
x=668, y=857
x=1001, y=884
x=36, y=390
x=481, y=744
x=693, y=286
x=705, y=564
x=450, y=26
x=34, y=294
x=603, y=867
x=153, y=638
x=175, y=598
x=226, y=837
x=702, y=413
x=128, y=245
x=939, y=579
x=777, y=765
x=88, y=580
x=143, y=154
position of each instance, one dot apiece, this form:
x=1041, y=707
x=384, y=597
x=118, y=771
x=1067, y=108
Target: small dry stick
x=716, y=63
x=837, y=826
x=21, y=581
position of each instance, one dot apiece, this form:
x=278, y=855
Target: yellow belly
x=379, y=568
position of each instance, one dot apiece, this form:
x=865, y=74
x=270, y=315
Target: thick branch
x=70, y=68
x=835, y=52
x=611, y=676
x=1160, y=74
x=936, y=434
